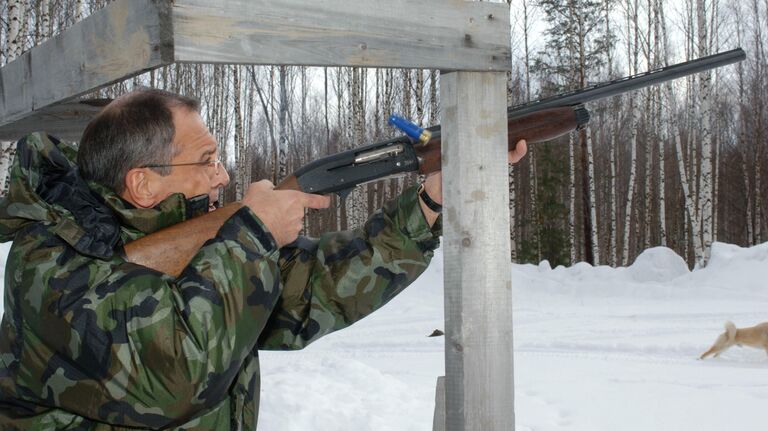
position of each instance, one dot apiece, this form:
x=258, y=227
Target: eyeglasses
x=214, y=164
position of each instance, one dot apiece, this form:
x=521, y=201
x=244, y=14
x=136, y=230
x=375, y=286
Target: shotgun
x=539, y=121
x=170, y=250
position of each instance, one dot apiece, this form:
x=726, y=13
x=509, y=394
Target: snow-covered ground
x=595, y=349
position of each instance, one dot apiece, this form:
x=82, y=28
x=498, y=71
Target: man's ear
x=138, y=188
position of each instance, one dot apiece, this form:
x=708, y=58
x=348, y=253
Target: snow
x=596, y=348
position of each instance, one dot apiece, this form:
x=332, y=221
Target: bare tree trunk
x=662, y=182
x=264, y=101
x=341, y=209
x=14, y=46
x=389, y=94
x=433, y=100
x=612, y=202
x=534, y=187
x=15, y=42
x=633, y=48
x=239, y=141
x=660, y=38
x=79, y=10
x=749, y=217
x=45, y=20
x=758, y=203
x=690, y=202
x=419, y=91
x=282, y=119
x=760, y=90
x=595, y=241
x=249, y=134
x=532, y=149
x=651, y=135
x=631, y=186
x=743, y=141
x=613, y=205
x=325, y=100
x=512, y=214
x=705, y=119
x=572, y=197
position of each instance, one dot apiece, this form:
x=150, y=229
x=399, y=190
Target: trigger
x=343, y=194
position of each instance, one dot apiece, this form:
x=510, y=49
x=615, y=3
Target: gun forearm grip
x=537, y=127
x=546, y=125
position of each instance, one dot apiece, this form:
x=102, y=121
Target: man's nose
x=221, y=179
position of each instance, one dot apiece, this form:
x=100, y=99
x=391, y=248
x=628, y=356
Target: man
x=103, y=327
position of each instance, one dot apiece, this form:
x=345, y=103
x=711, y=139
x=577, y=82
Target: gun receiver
x=538, y=121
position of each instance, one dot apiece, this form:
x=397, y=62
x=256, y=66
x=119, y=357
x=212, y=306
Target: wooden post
x=438, y=420
x=478, y=296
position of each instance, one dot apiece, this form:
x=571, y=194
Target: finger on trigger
x=316, y=201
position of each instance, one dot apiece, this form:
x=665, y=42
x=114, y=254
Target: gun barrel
x=630, y=83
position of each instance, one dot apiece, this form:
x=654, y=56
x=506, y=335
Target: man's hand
x=433, y=185
x=281, y=211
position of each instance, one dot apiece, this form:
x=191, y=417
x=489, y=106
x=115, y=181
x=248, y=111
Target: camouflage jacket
x=89, y=341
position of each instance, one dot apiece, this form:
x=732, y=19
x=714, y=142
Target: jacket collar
x=137, y=222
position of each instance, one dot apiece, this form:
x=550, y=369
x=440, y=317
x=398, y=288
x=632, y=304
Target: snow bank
x=656, y=265
x=596, y=349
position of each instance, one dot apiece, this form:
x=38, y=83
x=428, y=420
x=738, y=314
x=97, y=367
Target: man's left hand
x=433, y=185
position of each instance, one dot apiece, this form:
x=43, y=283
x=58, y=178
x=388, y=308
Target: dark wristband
x=431, y=204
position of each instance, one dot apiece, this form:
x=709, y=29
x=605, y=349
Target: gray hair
x=134, y=130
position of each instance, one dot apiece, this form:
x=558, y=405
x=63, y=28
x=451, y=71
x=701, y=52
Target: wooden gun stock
x=171, y=249
x=536, y=127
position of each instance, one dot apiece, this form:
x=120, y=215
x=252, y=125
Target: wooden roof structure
x=130, y=37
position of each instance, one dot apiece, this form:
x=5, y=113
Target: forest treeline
x=678, y=165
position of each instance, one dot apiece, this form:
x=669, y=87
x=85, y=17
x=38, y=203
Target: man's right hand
x=281, y=211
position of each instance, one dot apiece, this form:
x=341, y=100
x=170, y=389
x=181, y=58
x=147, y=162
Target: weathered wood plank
x=124, y=39
x=437, y=34
x=478, y=295
x=438, y=420
x=64, y=120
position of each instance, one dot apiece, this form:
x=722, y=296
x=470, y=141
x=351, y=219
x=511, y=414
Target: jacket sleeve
x=331, y=282
x=123, y=344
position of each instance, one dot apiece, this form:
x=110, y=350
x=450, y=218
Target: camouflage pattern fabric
x=89, y=341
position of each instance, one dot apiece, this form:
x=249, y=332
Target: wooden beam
x=65, y=121
x=438, y=420
x=130, y=37
x=123, y=39
x=478, y=295
x=436, y=34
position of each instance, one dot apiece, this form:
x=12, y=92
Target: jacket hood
x=46, y=187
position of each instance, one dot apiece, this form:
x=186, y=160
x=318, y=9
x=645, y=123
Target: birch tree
x=240, y=184
x=705, y=109
x=572, y=196
x=759, y=90
x=632, y=55
x=661, y=43
x=14, y=46
x=282, y=119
